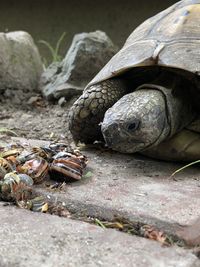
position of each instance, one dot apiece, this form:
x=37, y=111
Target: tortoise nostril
x=110, y=133
x=108, y=130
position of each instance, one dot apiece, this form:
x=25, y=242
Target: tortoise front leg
x=88, y=111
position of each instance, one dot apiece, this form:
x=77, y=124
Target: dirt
x=33, y=117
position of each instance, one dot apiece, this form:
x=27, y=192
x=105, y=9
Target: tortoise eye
x=133, y=125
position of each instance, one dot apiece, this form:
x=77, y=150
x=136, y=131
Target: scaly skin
x=88, y=111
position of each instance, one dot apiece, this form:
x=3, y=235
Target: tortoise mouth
x=126, y=146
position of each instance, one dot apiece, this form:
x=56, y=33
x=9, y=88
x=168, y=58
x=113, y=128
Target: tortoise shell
x=169, y=39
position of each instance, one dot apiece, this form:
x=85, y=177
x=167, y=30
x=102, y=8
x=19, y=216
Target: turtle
x=146, y=98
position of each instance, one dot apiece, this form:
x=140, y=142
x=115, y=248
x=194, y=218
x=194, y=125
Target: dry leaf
x=150, y=232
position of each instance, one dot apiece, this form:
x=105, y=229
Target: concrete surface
x=135, y=187
x=35, y=239
x=113, y=184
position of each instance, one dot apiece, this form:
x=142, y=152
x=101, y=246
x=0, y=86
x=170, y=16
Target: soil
x=33, y=117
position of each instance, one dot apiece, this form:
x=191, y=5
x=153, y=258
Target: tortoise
x=146, y=98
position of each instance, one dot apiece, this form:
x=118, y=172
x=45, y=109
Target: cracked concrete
x=134, y=187
x=138, y=187
x=35, y=239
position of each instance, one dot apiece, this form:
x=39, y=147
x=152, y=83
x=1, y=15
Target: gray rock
x=88, y=53
x=20, y=63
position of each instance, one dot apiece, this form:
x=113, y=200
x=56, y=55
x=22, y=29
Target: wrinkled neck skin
x=144, y=118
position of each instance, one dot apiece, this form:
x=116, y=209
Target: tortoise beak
x=110, y=133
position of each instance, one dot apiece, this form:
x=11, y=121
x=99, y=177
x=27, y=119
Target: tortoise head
x=137, y=121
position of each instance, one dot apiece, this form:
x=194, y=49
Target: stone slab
x=136, y=186
x=36, y=239
x=132, y=186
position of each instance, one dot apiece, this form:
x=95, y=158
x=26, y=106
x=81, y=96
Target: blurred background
x=48, y=19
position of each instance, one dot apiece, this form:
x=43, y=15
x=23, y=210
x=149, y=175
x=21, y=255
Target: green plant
x=7, y=131
x=98, y=222
x=186, y=166
x=54, y=51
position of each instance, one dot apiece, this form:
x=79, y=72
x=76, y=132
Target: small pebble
x=62, y=101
